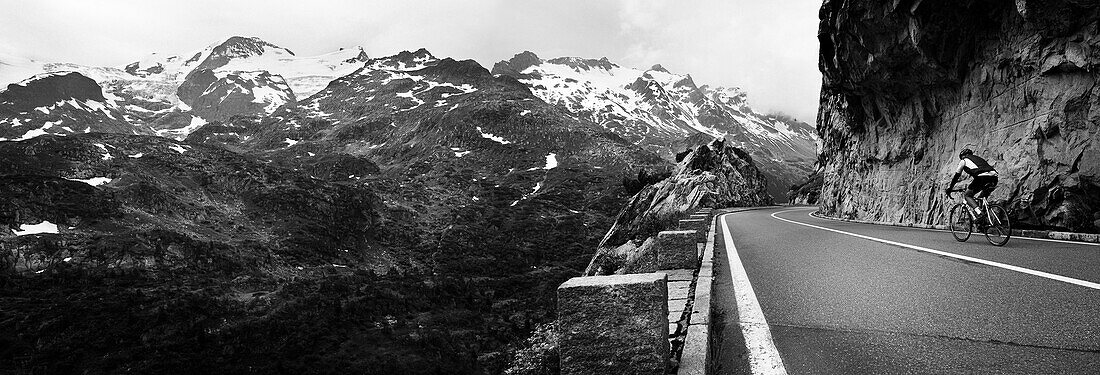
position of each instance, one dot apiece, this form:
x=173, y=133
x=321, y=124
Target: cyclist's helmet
x=964, y=152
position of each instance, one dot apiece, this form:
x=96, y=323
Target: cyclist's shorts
x=982, y=186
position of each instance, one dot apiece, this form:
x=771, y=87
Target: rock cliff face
x=907, y=84
x=713, y=175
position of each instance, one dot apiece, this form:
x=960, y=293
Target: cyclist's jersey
x=975, y=166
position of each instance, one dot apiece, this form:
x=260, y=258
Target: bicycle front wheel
x=959, y=222
x=1000, y=228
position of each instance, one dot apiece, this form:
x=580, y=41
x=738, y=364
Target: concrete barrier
x=614, y=324
x=676, y=249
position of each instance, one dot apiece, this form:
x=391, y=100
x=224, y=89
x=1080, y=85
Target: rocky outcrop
x=50, y=88
x=515, y=66
x=714, y=176
x=807, y=192
x=59, y=103
x=907, y=84
x=218, y=96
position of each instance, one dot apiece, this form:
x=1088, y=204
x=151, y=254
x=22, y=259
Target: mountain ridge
x=659, y=110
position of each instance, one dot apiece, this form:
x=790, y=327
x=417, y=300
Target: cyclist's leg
x=988, y=184
x=971, y=190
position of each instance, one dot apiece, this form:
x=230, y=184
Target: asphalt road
x=840, y=304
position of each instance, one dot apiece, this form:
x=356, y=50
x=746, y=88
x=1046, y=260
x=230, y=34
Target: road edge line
x=1045, y=275
x=764, y=357
x=1023, y=234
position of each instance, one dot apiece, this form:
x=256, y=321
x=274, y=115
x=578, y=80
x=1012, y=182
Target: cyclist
x=985, y=178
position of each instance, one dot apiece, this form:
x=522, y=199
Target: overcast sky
x=767, y=47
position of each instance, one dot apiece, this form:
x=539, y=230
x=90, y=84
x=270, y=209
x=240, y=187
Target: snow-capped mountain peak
x=659, y=109
x=404, y=61
x=170, y=93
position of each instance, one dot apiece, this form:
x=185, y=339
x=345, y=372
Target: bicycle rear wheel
x=1000, y=228
x=959, y=222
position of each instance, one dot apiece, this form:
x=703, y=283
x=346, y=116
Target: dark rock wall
x=909, y=83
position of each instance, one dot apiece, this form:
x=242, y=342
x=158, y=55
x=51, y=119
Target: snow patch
x=290, y=142
x=179, y=134
x=94, y=181
x=43, y=227
x=551, y=161
x=178, y=148
x=272, y=97
x=495, y=138
x=106, y=154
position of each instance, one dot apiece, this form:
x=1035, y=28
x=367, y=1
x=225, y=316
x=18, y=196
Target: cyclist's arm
x=958, y=172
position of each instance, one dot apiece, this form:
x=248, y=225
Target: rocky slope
x=907, y=84
x=668, y=113
x=412, y=217
x=714, y=175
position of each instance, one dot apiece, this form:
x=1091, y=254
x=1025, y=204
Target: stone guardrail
x=643, y=323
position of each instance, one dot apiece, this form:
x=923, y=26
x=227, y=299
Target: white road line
x=1009, y=267
x=763, y=356
x=810, y=214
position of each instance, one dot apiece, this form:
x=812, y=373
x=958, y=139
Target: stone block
x=679, y=275
x=677, y=304
x=701, y=227
x=677, y=250
x=679, y=289
x=691, y=224
x=614, y=324
x=694, y=358
x=675, y=316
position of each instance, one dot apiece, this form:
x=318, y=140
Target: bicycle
x=994, y=223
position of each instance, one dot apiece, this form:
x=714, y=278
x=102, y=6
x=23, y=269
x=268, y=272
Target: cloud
x=769, y=48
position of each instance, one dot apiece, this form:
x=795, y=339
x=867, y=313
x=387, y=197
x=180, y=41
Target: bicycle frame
x=993, y=219
x=982, y=202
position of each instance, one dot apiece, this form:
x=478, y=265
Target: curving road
x=848, y=298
